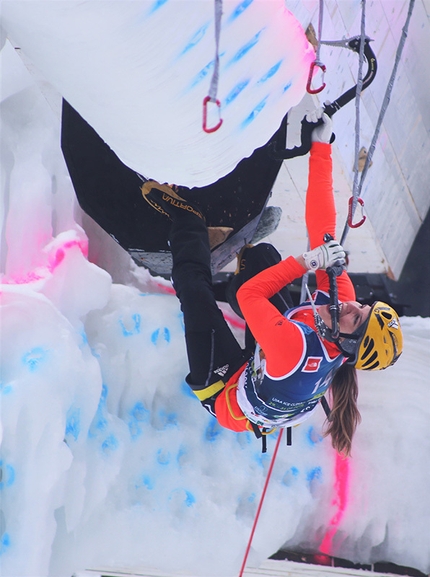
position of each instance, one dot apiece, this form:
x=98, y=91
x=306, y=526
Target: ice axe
x=307, y=127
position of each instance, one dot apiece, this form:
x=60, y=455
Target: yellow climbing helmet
x=382, y=341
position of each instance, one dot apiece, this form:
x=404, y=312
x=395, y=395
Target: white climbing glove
x=324, y=255
x=320, y=133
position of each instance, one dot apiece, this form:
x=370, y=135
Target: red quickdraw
x=350, y=215
x=206, y=101
x=311, y=73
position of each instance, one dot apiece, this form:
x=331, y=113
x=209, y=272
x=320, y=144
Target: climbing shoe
x=163, y=198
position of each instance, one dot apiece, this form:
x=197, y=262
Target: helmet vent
x=386, y=315
x=371, y=360
x=380, y=321
x=369, y=346
x=395, y=348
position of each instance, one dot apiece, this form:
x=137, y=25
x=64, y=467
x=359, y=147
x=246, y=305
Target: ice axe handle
x=333, y=272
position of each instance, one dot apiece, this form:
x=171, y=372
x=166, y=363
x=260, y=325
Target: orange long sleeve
x=280, y=339
x=320, y=213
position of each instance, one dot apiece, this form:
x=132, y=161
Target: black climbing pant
x=213, y=352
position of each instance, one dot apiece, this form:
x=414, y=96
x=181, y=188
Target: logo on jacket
x=312, y=365
x=221, y=371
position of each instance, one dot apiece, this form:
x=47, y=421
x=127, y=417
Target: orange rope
x=260, y=505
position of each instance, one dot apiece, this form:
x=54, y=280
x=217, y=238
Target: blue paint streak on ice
x=243, y=51
x=166, y=420
x=245, y=438
x=213, y=431
x=84, y=338
x=34, y=358
x=163, y=457
x=190, y=499
x=185, y=389
x=196, y=38
x=234, y=93
x=314, y=474
x=287, y=86
x=260, y=457
x=99, y=425
x=7, y=475
x=181, y=453
x=240, y=9
x=148, y=482
x=73, y=423
x=313, y=436
x=290, y=476
x=137, y=416
x=203, y=73
x=270, y=72
x=136, y=318
x=254, y=113
x=5, y=543
x=5, y=388
x=110, y=444
x=157, y=5
x=99, y=422
x=163, y=334
x=181, y=320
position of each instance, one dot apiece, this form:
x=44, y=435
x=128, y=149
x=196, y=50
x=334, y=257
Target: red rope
x=260, y=505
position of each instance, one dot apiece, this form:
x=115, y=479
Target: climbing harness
x=213, y=89
x=317, y=62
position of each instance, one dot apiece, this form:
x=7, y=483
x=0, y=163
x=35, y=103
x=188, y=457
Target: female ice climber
x=295, y=358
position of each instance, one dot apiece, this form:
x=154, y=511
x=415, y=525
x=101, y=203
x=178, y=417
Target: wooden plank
x=269, y=568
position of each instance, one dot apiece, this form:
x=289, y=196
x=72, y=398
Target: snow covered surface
x=138, y=73
x=108, y=460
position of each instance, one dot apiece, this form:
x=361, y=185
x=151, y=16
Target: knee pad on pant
x=203, y=393
x=207, y=395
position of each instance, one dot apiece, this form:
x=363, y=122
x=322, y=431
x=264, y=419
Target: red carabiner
x=311, y=73
x=206, y=100
x=350, y=223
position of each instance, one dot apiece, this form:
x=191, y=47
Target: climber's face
x=351, y=315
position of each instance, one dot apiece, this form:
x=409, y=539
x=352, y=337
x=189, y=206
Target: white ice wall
x=144, y=469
